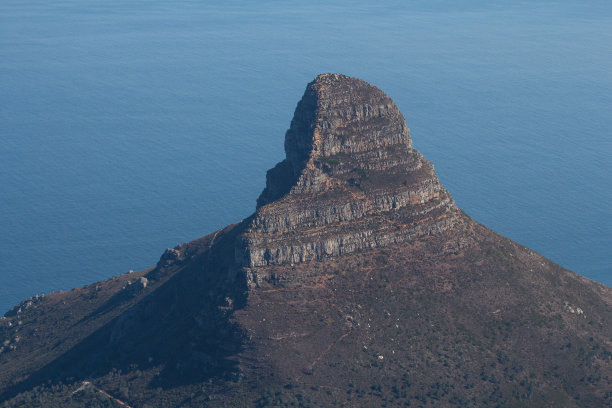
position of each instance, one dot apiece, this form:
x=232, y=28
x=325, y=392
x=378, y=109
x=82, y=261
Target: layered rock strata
x=350, y=180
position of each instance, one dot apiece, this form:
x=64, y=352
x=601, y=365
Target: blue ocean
x=128, y=126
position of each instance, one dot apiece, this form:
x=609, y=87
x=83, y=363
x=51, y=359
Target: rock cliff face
x=350, y=180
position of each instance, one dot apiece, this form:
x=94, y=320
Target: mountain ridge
x=357, y=282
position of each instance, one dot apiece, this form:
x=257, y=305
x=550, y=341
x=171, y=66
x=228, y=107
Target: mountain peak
x=338, y=116
x=357, y=282
x=349, y=167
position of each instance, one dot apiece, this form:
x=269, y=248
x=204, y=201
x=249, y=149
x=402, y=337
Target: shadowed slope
x=177, y=326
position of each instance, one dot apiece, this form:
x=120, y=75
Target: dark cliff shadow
x=182, y=329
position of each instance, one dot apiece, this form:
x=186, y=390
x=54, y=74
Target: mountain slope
x=357, y=282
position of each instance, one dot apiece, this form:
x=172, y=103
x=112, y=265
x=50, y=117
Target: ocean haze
x=127, y=127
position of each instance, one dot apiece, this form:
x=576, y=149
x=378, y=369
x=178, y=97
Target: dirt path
x=86, y=384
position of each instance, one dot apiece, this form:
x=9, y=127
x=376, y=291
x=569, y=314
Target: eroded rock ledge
x=350, y=180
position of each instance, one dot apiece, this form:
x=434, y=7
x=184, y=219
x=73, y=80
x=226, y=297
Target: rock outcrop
x=350, y=180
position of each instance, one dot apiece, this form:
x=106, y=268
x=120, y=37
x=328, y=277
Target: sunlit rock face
x=350, y=180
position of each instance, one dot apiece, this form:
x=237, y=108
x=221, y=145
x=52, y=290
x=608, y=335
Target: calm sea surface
x=129, y=126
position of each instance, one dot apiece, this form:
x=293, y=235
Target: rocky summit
x=357, y=282
x=351, y=180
